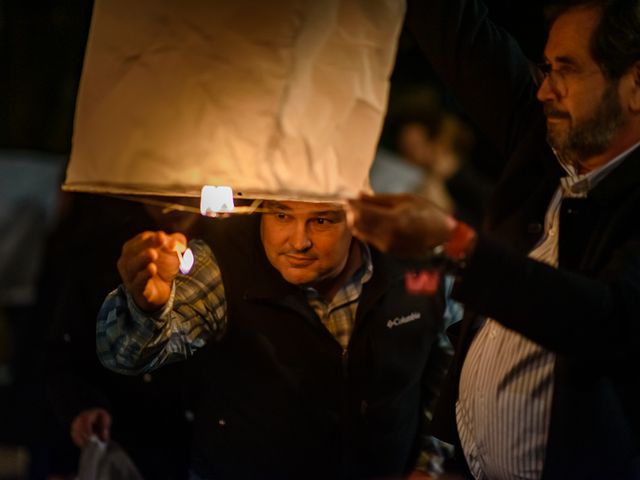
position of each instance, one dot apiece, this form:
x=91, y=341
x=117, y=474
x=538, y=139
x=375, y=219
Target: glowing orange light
x=185, y=255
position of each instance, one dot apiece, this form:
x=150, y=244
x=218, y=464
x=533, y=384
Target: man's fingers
x=372, y=226
x=141, y=278
x=130, y=266
x=370, y=219
x=142, y=261
x=144, y=240
x=137, y=252
x=382, y=199
x=388, y=199
x=368, y=200
x=150, y=292
x=176, y=240
x=148, y=264
x=164, y=256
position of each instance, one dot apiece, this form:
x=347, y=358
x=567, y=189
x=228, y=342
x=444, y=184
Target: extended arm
x=192, y=310
x=566, y=312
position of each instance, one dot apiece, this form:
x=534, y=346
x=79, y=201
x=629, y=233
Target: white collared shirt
x=506, y=386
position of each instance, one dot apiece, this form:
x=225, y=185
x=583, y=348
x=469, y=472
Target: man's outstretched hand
x=404, y=224
x=148, y=264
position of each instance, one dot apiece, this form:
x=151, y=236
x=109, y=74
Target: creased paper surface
x=274, y=97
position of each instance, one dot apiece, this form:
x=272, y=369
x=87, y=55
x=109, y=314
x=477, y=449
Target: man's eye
x=567, y=70
x=281, y=216
x=322, y=221
x=545, y=68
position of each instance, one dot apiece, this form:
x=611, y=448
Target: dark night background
x=41, y=51
x=42, y=45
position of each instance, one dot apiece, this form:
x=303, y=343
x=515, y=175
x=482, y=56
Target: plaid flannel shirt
x=132, y=341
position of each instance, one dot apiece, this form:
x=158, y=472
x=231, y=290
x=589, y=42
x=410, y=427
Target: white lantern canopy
x=273, y=98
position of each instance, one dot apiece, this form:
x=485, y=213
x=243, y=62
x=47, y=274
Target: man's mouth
x=556, y=118
x=554, y=115
x=299, y=260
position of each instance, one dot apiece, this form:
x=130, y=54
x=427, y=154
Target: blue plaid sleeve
x=131, y=341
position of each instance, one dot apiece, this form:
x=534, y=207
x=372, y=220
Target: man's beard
x=592, y=136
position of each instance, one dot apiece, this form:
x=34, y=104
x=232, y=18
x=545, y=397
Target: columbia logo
x=396, y=322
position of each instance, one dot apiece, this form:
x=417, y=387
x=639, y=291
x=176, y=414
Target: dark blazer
x=588, y=310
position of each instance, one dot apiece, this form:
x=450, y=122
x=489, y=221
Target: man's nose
x=546, y=92
x=551, y=89
x=299, y=238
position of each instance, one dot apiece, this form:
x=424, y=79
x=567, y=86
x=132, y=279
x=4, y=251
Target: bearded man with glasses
x=544, y=385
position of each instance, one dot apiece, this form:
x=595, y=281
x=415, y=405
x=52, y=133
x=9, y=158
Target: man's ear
x=634, y=88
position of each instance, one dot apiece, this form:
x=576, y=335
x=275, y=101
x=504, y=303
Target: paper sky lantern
x=272, y=98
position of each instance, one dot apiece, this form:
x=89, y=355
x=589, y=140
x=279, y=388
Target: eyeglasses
x=560, y=77
x=557, y=80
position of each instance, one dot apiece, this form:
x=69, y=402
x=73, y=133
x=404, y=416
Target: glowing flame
x=214, y=200
x=186, y=258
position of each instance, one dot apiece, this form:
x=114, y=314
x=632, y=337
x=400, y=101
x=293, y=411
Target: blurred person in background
x=146, y=415
x=434, y=150
x=444, y=149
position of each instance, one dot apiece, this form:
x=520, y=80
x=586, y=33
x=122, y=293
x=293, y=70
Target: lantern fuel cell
x=214, y=200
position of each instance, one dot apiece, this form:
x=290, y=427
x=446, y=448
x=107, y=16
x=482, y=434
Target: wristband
x=449, y=257
x=461, y=243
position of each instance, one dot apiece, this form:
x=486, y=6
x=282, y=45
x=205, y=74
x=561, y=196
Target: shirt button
x=222, y=422
x=146, y=378
x=534, y=228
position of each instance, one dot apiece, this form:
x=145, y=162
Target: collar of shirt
x=361, y=276
x=576, y=185
x=573, y=185
x=338, y=315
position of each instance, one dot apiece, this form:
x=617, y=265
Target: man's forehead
x=574, y=27
x=303, y=207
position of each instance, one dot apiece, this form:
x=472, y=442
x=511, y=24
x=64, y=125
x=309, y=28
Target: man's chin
x=297, y=276
x=556, y=138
